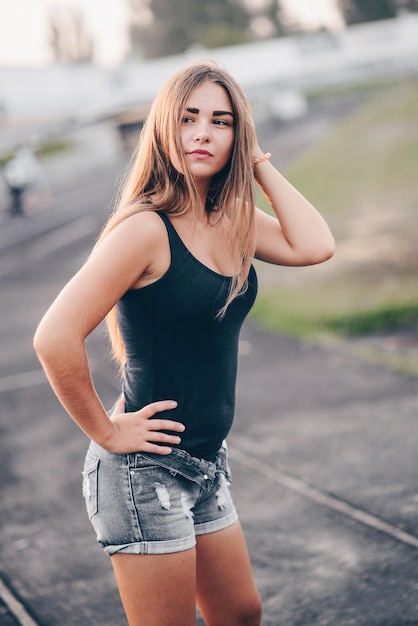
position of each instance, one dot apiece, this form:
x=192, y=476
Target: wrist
x=104, y=434
x=261, y=158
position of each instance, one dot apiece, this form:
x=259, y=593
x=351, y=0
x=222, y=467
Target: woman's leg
x=157, y=589
x=226, y=592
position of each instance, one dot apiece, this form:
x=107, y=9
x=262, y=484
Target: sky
x=23, y=27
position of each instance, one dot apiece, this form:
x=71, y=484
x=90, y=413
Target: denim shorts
x=142, y=503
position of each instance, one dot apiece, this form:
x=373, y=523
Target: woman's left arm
x=298, y=235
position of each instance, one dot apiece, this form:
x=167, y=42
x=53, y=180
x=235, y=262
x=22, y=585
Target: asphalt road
x=323, y=453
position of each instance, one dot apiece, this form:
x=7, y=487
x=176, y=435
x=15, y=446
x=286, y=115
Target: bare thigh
x=226, y=591
x=157, y=589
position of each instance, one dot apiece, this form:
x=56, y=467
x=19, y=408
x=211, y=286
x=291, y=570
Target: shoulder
x=137, y=247
x=147, y=222
x=141, y=235
x=143, y=229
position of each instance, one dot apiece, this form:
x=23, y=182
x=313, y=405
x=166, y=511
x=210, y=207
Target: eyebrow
x=215, y=113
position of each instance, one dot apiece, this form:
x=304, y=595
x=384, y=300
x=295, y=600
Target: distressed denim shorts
x=143, y=503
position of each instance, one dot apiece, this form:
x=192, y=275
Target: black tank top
x=178, y=349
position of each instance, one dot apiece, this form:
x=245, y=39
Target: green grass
x=304, y=316
x=53, y=147
x=363, y=178
x=372, y=86
x=375, y=320
x=374, y=149
x=46, y=149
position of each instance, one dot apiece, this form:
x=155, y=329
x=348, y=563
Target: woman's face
x=207, y=132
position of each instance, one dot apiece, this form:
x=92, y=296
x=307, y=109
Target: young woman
x=172, y=273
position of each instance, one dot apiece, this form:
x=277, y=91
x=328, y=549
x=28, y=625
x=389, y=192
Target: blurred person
x=22, y=173
x=172, y=272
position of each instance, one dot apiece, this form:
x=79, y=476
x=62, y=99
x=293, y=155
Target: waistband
x=181, y=462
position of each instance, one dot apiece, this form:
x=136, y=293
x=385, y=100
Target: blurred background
x=334, y=89
x=333, y=85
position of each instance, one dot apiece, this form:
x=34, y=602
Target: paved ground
x=323, y=454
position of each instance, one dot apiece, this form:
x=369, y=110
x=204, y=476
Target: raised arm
x=126, y=257
x=298, y=235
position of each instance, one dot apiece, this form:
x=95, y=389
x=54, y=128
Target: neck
x=202, y=188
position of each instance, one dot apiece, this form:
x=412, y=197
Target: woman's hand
x=136, y=432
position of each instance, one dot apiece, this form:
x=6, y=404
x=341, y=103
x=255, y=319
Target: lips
x=201, y=153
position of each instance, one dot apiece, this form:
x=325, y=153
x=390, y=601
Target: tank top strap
x=176, y=244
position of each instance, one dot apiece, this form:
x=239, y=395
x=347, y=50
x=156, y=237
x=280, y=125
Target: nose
x=202, y=134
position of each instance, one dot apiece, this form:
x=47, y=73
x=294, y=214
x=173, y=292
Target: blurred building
x=275, y=71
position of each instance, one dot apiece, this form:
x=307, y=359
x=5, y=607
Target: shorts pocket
x=90, y=478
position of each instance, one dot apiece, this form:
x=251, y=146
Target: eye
x=225, y=123
x=187, y=119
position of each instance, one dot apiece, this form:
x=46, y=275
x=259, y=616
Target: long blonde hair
x=152, y=175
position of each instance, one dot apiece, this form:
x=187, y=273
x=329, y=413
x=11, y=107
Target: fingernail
x=173, y=403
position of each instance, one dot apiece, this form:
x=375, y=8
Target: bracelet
x=265, y=157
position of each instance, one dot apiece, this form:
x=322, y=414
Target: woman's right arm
x=118, y=262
